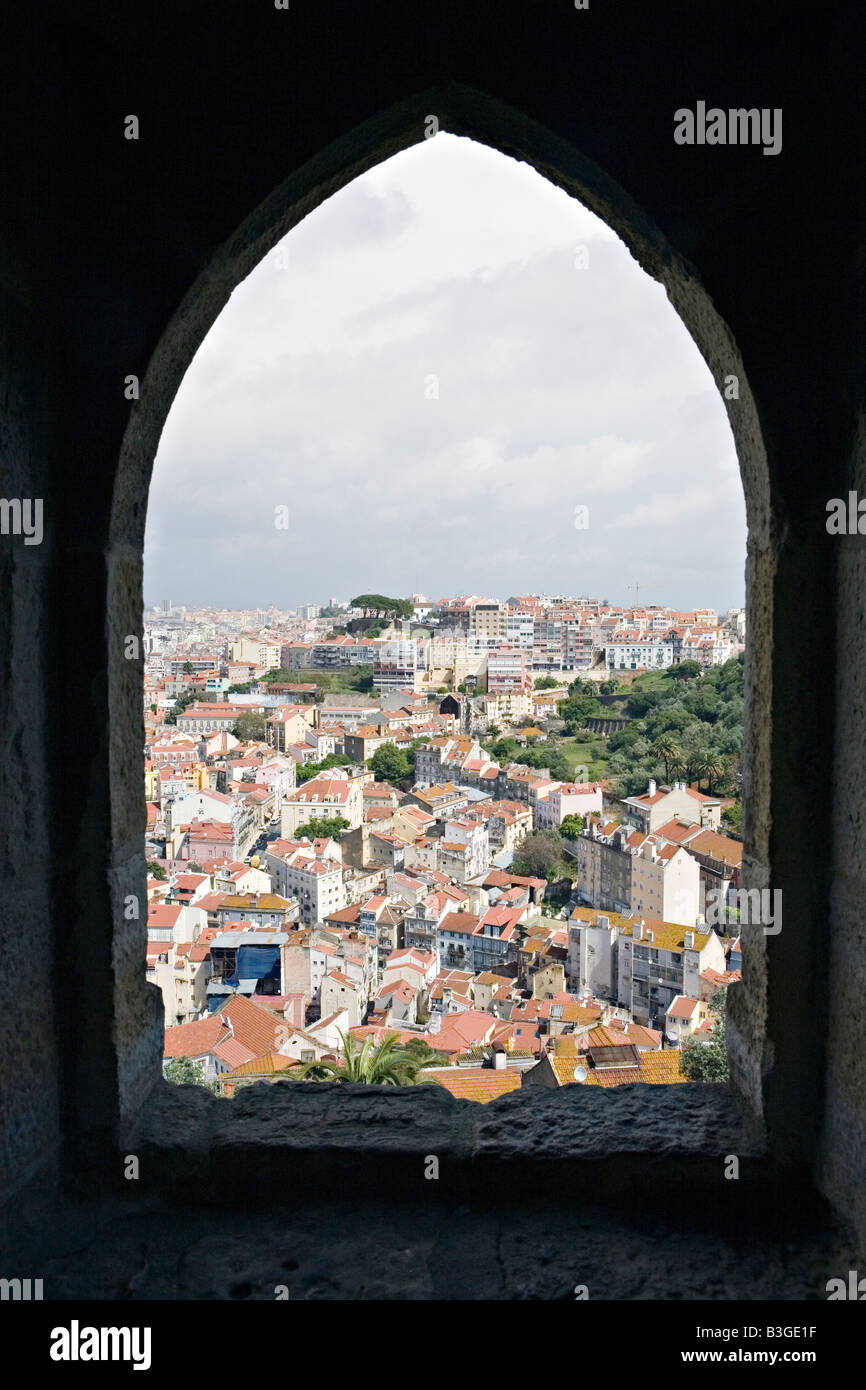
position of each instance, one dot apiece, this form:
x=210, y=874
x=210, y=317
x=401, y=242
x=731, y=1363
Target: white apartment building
x=264, y=655
x=665, y=883
x=312, y=874
x=472, y=834
x=398, y=666
x=568, y=799
x=630, y=652
x=519, y=629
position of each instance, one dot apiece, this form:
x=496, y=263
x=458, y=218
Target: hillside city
x=462, y=841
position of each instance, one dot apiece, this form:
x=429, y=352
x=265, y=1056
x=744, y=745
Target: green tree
x=388, y=1064
x=666, y=748
x=711, y=769
x=251, y=728
x=183, y=1071
x=733, y=817
x=390, y=764
x=305, y=771
x=179, y=706
x=571, y=827
x=380, y=606
x=540, y=854
x=686, y=671
x=323, y=828
x=187, y=668
x=156, y=870
x=577, y=709
x=546, y=683
x=706, y=1061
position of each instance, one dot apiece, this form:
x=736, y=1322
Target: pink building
x=506, y=670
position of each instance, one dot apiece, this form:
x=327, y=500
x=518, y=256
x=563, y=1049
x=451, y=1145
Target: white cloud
x=557, y=387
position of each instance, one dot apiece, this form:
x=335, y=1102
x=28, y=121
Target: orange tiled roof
x=481, y=1084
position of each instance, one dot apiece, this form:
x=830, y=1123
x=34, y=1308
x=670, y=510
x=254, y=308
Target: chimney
x=649, y=935
x=652, y=787
x=499, y=1061
x=689, y=940
x=637, y=931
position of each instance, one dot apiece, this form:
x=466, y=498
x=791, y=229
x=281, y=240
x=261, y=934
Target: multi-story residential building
x=188, y=664
x=720, y=858
x=576, y=646
x=313, y=953
x=506, y=670
x=630, y=651
x=660, y=960
x=323, y=798
x=496, y=938
x=207, y=841
x=385, y=922
x=488, y=621
x=177, y=752
x=363, y=742
x=604, y=863
x=422, y=921
x=311, y=873
x=470, y=834
x=270, y=911
x=438, y=800
x=210, y=718
x=568, y=799
x=445, y=758
x=665, y=882
x=264, y=655
x=346, y=714
x=340, y=991
x=286, y=727
x=683, y=1019
x=397, y=666
x=650, y=811
x=468, y=941
x=591, y=962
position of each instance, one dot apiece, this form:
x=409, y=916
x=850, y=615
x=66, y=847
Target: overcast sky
x=559, y=386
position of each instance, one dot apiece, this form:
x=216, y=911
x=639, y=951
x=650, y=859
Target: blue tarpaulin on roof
x=256, y=963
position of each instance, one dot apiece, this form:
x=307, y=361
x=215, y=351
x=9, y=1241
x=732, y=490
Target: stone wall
x=117, y=257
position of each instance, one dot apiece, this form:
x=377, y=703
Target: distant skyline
x=631, y=602
x=432, y=376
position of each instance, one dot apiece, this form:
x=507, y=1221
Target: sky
x=451, y=378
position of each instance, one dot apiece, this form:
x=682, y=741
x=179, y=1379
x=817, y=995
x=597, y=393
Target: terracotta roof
x=481, y=1084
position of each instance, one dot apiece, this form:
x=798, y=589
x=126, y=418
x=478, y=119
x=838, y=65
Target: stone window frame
x=685, y=1121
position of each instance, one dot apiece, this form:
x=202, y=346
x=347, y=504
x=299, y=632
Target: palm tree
x=712, y=767
x=666, y=748
x=389, y=1064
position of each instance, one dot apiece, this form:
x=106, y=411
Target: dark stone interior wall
x=249, y=116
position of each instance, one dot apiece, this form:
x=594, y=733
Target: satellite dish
x=580, y=1073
